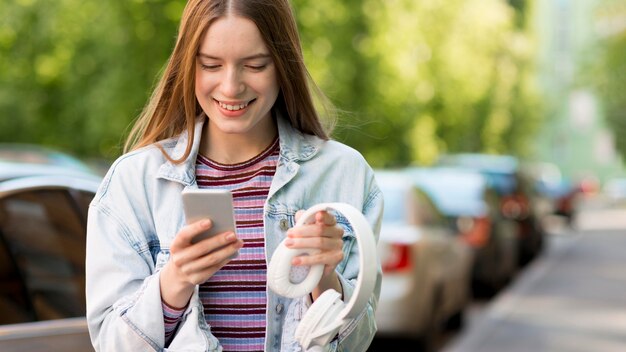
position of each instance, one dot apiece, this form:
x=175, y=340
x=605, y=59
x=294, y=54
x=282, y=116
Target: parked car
x=548, y=184
x=472, y=209
x=43, y=215
x=36, y=156
x=517, y=195
x=615, y=191
x=426, y=268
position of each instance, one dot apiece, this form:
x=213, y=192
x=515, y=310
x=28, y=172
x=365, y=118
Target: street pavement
x=570, y=299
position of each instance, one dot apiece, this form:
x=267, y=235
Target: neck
x=234, y=148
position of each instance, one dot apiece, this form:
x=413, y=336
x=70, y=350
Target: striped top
x=235, y=297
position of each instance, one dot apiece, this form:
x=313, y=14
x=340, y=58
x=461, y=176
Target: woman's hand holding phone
x=193, y=262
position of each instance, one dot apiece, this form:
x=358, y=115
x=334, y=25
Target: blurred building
x=575, y=136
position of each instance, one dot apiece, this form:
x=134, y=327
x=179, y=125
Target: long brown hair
x=173, y=106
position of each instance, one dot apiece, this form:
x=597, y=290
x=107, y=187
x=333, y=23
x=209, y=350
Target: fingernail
x=206, y=223
x=230, y=236
x=288, y=242
x=295, y=261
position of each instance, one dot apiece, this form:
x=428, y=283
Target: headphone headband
x=366, y=280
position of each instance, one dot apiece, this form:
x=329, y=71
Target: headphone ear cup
x=320, y=316
x=279, y=273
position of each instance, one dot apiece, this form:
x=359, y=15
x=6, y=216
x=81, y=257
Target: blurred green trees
x=413, y=78
x=74, y=74
x=609, y=74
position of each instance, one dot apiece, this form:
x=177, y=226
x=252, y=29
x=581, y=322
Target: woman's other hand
x=325, y=235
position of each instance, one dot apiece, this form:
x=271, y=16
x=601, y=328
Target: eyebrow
x=251, y=57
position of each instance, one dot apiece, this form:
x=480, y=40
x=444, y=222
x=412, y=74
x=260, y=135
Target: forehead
x=232, y=36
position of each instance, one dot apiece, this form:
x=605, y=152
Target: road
x=570, y=299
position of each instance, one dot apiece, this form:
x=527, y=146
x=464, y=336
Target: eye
x=256, y=68
x=209, y=67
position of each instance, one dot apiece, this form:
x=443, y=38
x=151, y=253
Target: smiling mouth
x=235, y=107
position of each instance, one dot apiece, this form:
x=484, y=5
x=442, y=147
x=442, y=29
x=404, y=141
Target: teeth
x=232, y=107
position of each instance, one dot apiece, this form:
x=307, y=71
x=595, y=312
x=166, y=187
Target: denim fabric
x=138, y=211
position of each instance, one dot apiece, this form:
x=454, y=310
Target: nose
x=232, y=84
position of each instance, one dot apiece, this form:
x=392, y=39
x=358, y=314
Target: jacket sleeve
x=124, y=311
x=121, y=289
x=358, y=334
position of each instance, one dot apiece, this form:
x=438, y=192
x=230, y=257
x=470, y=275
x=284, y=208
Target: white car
x=426, y=268
x=615, y=191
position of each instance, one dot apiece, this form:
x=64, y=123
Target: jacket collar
x=294, y=146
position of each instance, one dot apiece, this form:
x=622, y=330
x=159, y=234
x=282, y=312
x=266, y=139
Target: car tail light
x=398, y=258
x=474, y=231
x=515, y=207
x=588, y=186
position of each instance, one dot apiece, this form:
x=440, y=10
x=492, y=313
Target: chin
x=232, y=128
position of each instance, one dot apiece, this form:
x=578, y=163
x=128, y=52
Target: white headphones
x=328, y=313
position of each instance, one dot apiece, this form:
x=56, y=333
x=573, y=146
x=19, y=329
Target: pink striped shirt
x=234, y=298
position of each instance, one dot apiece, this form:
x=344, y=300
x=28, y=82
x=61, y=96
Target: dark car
x=472, y=210
x=517, y=194
x=43, y=215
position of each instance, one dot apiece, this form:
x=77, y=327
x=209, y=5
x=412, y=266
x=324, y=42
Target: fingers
x=191, y=257
x=323, y=225
x=329, y=258
x=321, y=217
x=324, y=217
x=212, y=262
x=323, y=234
x=197, y=262
x=185, y=236
x=315, y=242
x=206, y=247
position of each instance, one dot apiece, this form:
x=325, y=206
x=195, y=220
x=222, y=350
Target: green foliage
x=75, y=73
x=413, y=78
x=431, y=76
x=609, y=75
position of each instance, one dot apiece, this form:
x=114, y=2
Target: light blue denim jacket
x=138, y=211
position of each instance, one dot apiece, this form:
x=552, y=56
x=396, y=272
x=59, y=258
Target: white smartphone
x=214, y=204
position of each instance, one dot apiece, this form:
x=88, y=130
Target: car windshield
x=454, y=192
x=394, y=209
x=457, y=198
x=39, y=155
x=501, y=182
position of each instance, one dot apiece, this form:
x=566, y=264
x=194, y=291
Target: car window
x=83, y=199
x=395, y=208
x=426, y=213
x=46, y=238
x=15, y=305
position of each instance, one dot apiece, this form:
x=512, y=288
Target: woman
x=233, y=110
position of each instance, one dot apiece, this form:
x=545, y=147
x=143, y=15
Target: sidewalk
x=571, y=299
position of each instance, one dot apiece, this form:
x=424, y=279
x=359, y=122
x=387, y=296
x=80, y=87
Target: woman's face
x=236, y=82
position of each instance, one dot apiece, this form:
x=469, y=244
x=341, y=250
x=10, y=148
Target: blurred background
x=542, y=80
x=495, y=128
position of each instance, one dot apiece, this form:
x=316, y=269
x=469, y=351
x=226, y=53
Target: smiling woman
x=272, y=49
x=233, y=111
x=236, y=87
